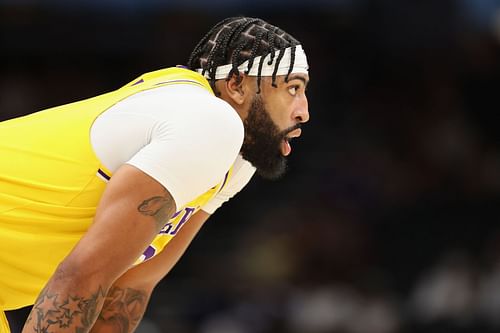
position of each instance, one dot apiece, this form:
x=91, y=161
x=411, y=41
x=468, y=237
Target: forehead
x=281, y=78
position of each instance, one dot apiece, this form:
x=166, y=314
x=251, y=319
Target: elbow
x=78, y=276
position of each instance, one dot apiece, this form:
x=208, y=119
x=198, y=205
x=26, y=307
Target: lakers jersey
x=50, y=184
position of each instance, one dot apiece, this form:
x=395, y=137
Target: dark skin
x=286, y=104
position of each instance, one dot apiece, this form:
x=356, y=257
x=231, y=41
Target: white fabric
x=242, y=173
x=181, y=135
x=300, y=65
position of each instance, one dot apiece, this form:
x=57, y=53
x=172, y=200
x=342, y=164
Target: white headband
x=299, y=66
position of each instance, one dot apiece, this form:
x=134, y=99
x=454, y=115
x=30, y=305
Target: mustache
x=290, y=129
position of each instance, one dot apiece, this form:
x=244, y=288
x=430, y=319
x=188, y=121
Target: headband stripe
x=266, y=65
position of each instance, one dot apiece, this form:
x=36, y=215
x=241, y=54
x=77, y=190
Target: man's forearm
x=122, y=311
x=58, y=310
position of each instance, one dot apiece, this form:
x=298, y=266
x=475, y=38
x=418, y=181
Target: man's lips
x=286, y=148
x=294, y=134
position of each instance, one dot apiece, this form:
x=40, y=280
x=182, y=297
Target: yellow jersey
x=50, y=184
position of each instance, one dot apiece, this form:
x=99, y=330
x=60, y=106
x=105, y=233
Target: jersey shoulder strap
x=168, y=76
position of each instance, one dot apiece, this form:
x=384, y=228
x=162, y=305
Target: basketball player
x=100, y=198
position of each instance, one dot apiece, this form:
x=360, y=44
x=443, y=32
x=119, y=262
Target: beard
x=263, y=140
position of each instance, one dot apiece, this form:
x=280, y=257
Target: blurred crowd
x=388, y=219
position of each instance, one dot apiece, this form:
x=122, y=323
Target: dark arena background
x=388, y=219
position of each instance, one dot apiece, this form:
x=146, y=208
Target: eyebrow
x=298, y=77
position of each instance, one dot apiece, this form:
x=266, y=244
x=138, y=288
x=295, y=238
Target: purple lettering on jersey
x=149, y=253
x=166, y=228
x=187, y=215
x=176, y=214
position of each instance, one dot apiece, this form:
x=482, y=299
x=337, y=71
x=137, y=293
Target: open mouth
x=286, y=148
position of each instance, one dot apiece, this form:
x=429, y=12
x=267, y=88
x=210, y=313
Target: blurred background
x=388, y=219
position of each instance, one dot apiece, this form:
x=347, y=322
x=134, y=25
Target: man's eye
x=293, y=90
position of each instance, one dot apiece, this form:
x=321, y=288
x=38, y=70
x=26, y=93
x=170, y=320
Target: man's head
x=262, y=72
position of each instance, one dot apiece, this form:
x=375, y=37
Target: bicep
x=132, y=209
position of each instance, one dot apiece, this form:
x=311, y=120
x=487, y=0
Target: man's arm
x=126, y=300
x=132, y=210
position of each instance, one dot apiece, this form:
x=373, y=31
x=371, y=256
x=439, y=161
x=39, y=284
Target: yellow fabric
x=4, y=324
x=178, y=219
x=49, y=188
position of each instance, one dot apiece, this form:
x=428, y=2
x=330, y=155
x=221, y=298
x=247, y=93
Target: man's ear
x=236, y=88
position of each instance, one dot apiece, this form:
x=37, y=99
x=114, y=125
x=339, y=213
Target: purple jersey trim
x=224, y=182
x=140, y=81
x=103, y=174
x=180, y=81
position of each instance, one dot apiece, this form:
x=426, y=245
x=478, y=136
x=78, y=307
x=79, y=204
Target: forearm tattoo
x=160, y=208
x=55, y=312
x=122, y=310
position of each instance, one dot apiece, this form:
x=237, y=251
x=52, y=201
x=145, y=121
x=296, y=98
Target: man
x=101, y=197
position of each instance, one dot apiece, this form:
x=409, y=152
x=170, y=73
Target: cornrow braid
x=280, y=56
x=201, y=44
x=212, y=69
x=222, y=38
x=236, y=54
x=259, y=77
x=236, y=57
x=271, y=45
x=292, y=62
x=256, y=42
x=236, y=40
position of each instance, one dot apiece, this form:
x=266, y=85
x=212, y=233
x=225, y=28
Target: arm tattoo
x=122, y=311
x=53, y=312
x=160, y=208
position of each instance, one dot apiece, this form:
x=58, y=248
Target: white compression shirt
x=242, y=173
x=181, y=135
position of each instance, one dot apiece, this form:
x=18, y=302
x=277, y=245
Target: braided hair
x=237, y=39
